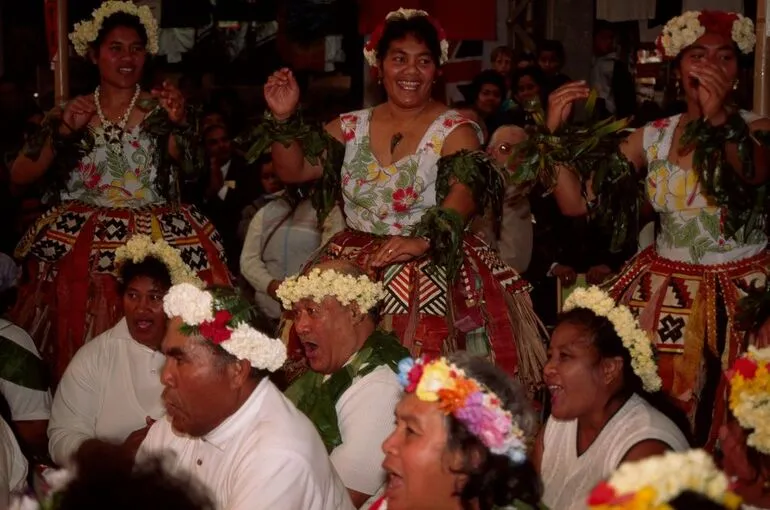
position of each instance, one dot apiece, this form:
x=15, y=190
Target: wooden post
x=761, y=103
x=61, y=62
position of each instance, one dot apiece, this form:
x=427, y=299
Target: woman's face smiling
x=408, y=72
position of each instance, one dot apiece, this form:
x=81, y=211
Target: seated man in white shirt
x=351, y=390
x=226, y=423
x=111, y=389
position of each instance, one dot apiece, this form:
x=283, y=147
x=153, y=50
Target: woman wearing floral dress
x=109, y=158
x=706, y=178
x=411, y=178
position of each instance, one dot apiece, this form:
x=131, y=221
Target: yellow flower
x=435, y=376
x=377, y=174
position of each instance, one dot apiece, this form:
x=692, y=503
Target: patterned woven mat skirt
x=689, y=311
x=486, y=311
x=70, y=294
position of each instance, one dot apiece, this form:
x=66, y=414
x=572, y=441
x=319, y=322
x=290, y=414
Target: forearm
x=568, y=193
x=460, y=200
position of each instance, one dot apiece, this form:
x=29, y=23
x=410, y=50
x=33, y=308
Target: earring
x=678, y=88
x=735, y=84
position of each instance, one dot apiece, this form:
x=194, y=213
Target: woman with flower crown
x=463, y=429
x=112, y=389
x=705, y=173
x=111, y=158
x=603, y=381
x=411, y=179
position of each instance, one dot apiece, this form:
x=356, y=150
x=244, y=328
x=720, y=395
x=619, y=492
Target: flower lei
x=370, y=49
x=652, y=483
x=87, y=31
x=634, y=339
x=221, y=317
x=469, y=401
x=139, y=247
x=319, y=284
x=750, y=396
x=682, y=31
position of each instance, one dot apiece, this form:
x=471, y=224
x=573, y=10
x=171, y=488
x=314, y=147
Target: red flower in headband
x=370, y=48
x=217, y=330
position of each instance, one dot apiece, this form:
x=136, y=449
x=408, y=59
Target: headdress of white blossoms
x=636, y=341
x=370, y=48
x=139, y=247
x=222, y=321
x=87, y=31
x=667, y=476
x=682, y=31
x=318, y=284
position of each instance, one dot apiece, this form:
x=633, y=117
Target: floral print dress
x=684, y=289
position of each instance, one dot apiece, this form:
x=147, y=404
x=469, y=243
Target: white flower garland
x=370, y=50
x=636, y=341
x=319, y=284
x=87, y=31
x=672, y=474
x=682, y=31
x=139, y=247
x=195, y=307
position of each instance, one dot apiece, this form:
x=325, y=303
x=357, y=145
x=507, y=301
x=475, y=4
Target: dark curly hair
x=493, y=480
x=150, y=267
x=537, y=76
x=609, y=345
x=418, y=27
x=488, y=77
x=106, y=478
x=119, y=19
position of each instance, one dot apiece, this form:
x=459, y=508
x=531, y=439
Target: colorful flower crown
x=652, y=483
x=750, y=396
x=469, y=401
x=370, y=48
x=221, y=316
x=682, y=31
x=139, y=247
x=636, y=341
x=87, y=31
x=318, y=284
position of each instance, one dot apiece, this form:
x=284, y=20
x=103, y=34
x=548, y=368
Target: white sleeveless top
x=568, y=479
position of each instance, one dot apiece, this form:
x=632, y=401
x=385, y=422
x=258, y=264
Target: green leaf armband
x=444, y=229
x=477, y=171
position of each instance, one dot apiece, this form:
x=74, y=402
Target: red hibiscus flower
x=216, y=330
x=88, y=174
x=746, y=367
x=135, y=144
x=452, y=122
x=661, y=123
x=602, y=495
x=718, y=22
x=403, y=199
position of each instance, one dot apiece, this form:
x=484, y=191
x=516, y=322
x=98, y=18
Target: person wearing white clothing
x=24, y=385
x=227, y=425
x=351, y=390
x=13, y=465
x=111, y=389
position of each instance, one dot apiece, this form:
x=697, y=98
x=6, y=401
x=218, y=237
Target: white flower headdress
x=652, y=483
x=87, y=31
x=750, y=396
x=682, y=31
x=636, y=341
x=319, y=284
x=221, y=318
x=139, y=247
x=370, y=48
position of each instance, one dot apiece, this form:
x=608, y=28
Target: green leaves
x=444, y=227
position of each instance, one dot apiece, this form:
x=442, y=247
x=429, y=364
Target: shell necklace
x=114, y=132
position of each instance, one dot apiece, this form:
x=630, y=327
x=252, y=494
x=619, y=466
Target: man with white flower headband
x=412, y=178
x=705, y=172
x=226, y=422
x=351, y=388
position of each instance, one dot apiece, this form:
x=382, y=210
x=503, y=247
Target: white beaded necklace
x=113, y=133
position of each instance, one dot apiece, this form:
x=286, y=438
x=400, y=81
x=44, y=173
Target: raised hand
x=282, y=94
x=713, y=88
x=171, y=100
x=78, y=113
x=561, y=101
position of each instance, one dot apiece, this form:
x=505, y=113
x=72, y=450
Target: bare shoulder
x=334, y=128
x=645, y=449
x=761, y=124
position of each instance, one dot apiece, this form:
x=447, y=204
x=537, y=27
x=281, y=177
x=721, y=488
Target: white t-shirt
x=13, y=465
x=265, y=456
x=365, y=417
x=26, y=404
x=109, y=389
x=568, y=479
